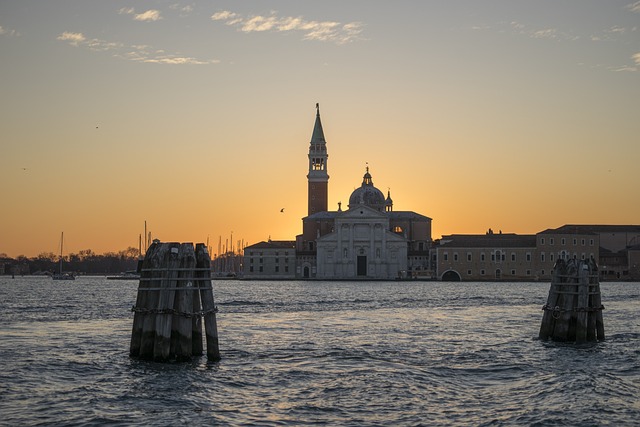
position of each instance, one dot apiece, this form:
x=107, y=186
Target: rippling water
x=319, y=353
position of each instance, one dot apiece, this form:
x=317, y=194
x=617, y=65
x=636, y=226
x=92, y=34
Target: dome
x=367, y=195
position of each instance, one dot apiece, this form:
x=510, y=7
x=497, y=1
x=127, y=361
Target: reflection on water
x=302, y=353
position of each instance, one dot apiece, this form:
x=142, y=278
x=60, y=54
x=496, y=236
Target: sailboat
x=61, y=275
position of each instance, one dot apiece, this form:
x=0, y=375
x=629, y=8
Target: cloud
x=634, y=7
x=74, y=39
x=636, y=58
x=138, y=53
x=9, y=33
x=549, y=33
x=149, y=15
x=330, y=31
x=184, y=10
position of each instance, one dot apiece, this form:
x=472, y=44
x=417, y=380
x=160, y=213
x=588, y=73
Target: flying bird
x=282, y=210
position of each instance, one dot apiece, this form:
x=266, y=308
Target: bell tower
x=318, y=179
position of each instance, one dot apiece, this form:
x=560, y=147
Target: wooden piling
x=181, y=327
x=573, y=311
x=203, y=271
x=141, y=302
x=167, y=324
x=164, y=316
x=158, y=259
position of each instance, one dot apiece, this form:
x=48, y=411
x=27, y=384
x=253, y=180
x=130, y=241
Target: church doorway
x=305, y=272
x=362, y=265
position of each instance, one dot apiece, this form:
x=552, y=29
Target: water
x=319, y=353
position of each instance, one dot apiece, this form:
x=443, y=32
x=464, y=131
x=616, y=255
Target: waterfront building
x=612, y=246
x=490, y=256
x=369, y=240
x=274, y=259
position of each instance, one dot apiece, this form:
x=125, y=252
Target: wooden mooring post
x=174, y=294
x=573, y=311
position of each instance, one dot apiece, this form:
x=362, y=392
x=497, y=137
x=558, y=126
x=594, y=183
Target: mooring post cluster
x=573, y=311
x=174, y=295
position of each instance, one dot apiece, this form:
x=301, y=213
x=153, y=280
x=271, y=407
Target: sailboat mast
x=61, y=248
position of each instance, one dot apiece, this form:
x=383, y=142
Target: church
x=367, y=241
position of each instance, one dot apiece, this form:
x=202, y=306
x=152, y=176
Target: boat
x=61, y=275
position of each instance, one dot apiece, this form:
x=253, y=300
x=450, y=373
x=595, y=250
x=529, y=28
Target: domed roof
x=367, y=194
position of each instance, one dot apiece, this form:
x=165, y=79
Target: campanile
x=317, y=177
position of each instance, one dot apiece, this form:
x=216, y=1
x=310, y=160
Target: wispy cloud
x=149, y=15
x=328, y=31
x=74, y=39
x=9, y=33
x=184, y=10
x=541, y=33
x=636, y=58
x=634, y=7
x=138, y=53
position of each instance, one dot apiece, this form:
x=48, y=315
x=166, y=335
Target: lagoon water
x=319, y=353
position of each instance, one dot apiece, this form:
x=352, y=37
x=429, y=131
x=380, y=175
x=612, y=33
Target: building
x=275, y=259
x=367, y=241
x=611, y=245
x=490, y=256
x=616, y=249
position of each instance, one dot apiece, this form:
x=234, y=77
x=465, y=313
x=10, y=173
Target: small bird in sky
x=24, y=169
x=282, y=210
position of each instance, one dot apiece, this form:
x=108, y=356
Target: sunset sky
x=196, y=116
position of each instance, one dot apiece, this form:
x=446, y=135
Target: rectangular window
x=590, y=242
x=542, y=240
x=513, y=272
x=513, y=256
x=455, y=256
x=277, y=260
x=482, y=272
x=528, y=272
x=286, y=268
x=445, y=256
x=562, y=241
x=582, y=242
x=469, y=272
x=261, y=269
x=575, y=241
x=541, y=256
x=551, y=240
x=528, y=256
x=469, y=256
x=251, y=269
x=482, y=256
x=277, y=268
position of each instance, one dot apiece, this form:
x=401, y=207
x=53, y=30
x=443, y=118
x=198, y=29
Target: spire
x=318, y=134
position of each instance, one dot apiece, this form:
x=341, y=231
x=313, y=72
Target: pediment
x=362, y=212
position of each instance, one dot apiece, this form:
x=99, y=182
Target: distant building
x=270, y=260
x=369, y=240
x=613, y=247
x=616, y=249
x=486, y=257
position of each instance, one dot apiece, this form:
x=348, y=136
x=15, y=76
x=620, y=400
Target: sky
x=196, y=116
